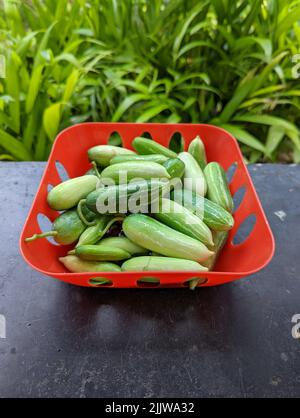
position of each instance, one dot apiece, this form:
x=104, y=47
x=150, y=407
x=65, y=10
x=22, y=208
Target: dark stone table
x=230, y=341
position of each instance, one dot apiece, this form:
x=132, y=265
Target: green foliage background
x=229, y=63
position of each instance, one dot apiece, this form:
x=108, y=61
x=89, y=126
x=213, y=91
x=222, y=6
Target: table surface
x=229, y=341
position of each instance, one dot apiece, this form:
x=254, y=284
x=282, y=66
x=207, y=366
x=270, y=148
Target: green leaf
x=291, y=17
x=39, y=60
x=220, y=9
x=70, y=85
x=266, y=45
x=5, y=120
x=296, y=156
x=13, y=90
x=268, y=90
x=40, y=148
x=126, y=104
x=173, y=118
x=61, y=7
x=197, y=44
x=84, y=32
x=134, y=85
x=30, y=130
x=267, y=120
x=254, y=10
x=14, y=146
x=238, y=97
x=192, y=15
x=295, y=138
x=293, y=93
x=34, y=87
x=70, y=58
x=51, y=120
x=265, y=73
x=6, y=157
x=13, y=16
x=246, y=42
x=151, y=113
x=25, y=42
x=44, y=13
x=255, y=156
x=244, y=137
x=274, y=138
x=198, y=27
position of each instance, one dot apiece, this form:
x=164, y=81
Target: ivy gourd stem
x=193, y=284
x=81, y=215
x=94, y=164
x=43, y=235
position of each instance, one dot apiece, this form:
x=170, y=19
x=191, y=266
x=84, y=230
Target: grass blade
x=51, y=120
x=239, y=96
x=71, y=85
x=40, y=145
x=267, y=120
x=274, y=138
x=126, y=104
x=14, y=146
x=292, y=16
x=151, y=113
x=13, y=90
x=192, y=15
x=34, y=87
x=244, y=137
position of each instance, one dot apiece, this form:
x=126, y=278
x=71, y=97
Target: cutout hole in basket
x=196, y=281
x=148, y=282
x=146, y=135
x=244, y=230
x=239, y=197
x=176, y=143
x=231, y=172
x=115, y=139
x=115, y=230
x=100, y=281
x=49, y=187
x=46, y=225
x=62, y=172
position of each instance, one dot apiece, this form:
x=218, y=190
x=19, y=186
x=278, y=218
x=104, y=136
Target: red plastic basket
x=70, y=149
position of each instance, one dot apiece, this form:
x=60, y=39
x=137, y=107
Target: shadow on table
x=176, y=318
